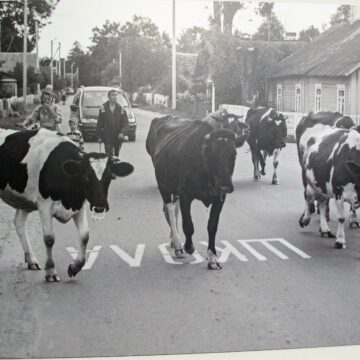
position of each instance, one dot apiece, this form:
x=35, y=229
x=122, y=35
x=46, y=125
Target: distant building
x=323, y=75
x=8, y=85
x=290, y=36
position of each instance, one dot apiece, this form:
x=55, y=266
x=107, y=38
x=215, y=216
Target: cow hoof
x=34, y=266
x=354, y=224
x=339, y=245
x=214, y=265
x=257, y=178
x=275, y=182
x=262, y=172
x=189, y=250
x=52, y=278
x=179, y=253
x=71, y=271
x=328, y=234
x=304, y=222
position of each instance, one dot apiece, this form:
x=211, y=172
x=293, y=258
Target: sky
x=73, y=20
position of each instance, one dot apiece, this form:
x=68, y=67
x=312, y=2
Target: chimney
x=354, y=13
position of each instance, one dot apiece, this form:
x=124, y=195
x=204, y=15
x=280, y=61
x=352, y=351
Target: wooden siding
x=328, y=95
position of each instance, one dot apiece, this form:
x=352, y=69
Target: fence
x=291, y=122
x=197, y=109
x=6, y=105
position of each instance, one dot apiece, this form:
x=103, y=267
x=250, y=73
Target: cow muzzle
x=98, y=212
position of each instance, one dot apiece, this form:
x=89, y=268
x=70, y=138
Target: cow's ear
x=71, y=167
x=121, y=169
x=353, y=167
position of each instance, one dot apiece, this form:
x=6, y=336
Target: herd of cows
x=45, y=171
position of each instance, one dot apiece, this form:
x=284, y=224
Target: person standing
x=112, y=124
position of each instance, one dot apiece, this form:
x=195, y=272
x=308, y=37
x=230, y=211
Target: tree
x=271, y=27
x=342, y=15
x=12, y=22
x=228, y=9
x=191, y=39
x=144, y=51
x=309, y=34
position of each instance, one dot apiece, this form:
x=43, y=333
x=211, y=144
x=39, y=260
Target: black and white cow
x=45, y=171
x=192, y=160
x=268, y=132
x=334, y=120
x=330, y=161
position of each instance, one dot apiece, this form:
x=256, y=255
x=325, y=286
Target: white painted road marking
x=169, y=259
x=227, y=251
x=132, y=262
x=224, y=252
x=266, y=243
x=93, y=254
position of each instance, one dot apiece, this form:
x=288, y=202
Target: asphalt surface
x=286, y=288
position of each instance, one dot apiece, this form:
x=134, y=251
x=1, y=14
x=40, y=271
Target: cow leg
x=353, y=219
x=263, y=162
x=306, y=216
x=255, y=156
x=49, y=240
x=340, y=234
x=275, y=180
x=170, y=215
x=215, y=211
x=81, y=223
x=324, y=228
x=188, y=226
x=20, y=222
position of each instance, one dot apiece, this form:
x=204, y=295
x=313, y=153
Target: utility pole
x=59, y=72
x=64, y=69
x=25, y=51
x=72, y=75
x=120, y=68
x=173, y=93
x=51, y=66
x=37, y=55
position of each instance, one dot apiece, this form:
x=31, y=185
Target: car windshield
x=94, y=99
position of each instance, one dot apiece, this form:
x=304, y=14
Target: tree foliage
x=342, y=15
x=309, y=34
x=191, y=40
x=12, y=22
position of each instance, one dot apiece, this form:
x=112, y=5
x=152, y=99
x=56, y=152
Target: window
x=279, y=97
x=318, y=92
x=297, y=97
x=340, y=99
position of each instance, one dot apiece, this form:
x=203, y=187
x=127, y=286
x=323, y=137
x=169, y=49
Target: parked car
x=86, y=104
x=69, y=91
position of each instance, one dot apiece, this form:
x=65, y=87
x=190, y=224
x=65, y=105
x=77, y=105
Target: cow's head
x=273, y=131
x=219, y=154
x=240, y=129
x=96, y=171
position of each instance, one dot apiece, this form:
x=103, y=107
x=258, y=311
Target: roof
x=8, y=60
x=287, y=47
x=336, y=52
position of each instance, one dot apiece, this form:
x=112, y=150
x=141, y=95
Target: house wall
x=307, y=104
x=355, y=92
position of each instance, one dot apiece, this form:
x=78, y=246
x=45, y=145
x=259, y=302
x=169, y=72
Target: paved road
x=289, y=290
